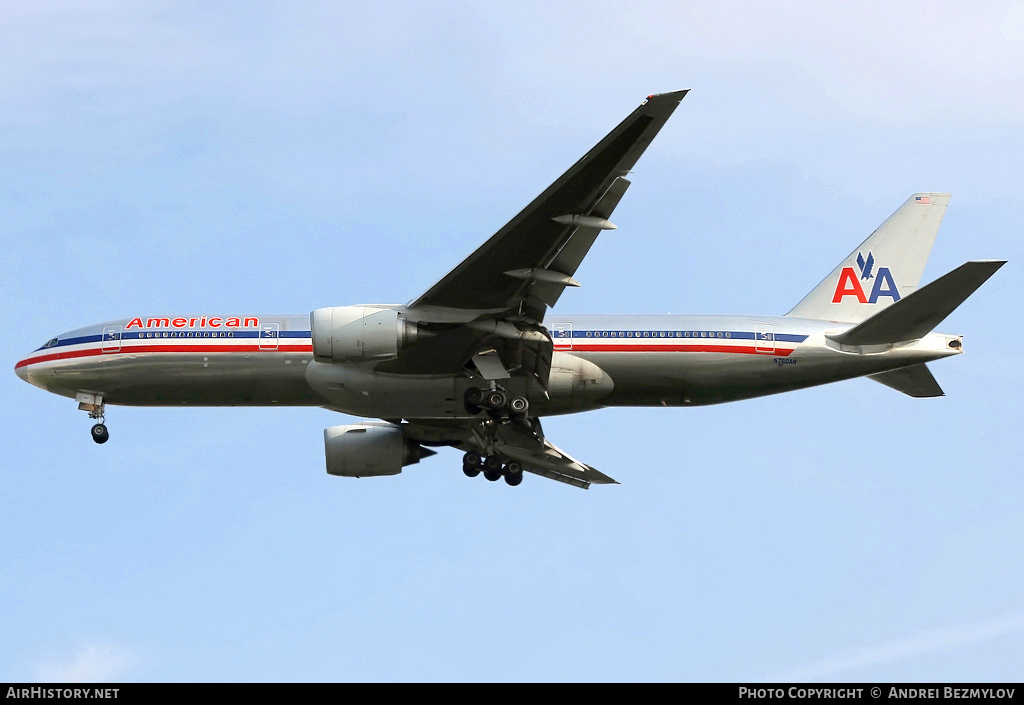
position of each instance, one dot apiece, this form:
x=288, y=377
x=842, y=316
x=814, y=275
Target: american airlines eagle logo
x=865, y=265
x=849, y=283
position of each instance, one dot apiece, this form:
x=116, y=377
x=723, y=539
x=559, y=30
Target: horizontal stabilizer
x=916, y=381
x=915, y=315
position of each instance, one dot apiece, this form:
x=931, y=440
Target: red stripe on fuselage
x=130, y=350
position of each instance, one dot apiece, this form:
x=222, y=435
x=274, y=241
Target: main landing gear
x=493, y=468
x=501, y=409
x=495, y=402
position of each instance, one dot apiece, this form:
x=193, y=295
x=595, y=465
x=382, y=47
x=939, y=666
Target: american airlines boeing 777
x=477, y=359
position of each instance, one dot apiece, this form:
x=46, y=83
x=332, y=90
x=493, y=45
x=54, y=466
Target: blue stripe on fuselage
x=199, y=333
x=689, y=334
x=176, y=334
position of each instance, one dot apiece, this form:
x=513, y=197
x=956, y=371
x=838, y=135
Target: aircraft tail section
x=915, y=315
x=883, y=269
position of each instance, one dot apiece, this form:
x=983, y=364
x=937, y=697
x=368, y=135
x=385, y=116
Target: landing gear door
x=561, y=336
x=764, y=336
x=269, y=335
x=112, y=339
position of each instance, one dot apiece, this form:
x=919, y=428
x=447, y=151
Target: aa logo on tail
x=850, y=284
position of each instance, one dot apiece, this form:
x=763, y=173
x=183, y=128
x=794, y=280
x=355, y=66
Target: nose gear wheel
x=100, y=433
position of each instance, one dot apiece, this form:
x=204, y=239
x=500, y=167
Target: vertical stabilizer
x=885, y=268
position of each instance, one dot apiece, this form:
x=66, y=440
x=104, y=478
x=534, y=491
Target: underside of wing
x=558, y=465
x=525, y=266
x=519, y=440
x=495, y=299
x=482, y=325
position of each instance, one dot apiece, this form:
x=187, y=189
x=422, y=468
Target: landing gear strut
x=502, y=409
x=93, y=404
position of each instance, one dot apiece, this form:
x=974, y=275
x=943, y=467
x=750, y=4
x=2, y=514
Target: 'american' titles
x=195, y=322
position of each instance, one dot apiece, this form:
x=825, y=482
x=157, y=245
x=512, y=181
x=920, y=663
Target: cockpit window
x=50, y=343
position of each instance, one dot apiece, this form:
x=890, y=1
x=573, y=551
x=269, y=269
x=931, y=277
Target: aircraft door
x=112, y=339
x=561, y=336
x=270, y=333
x=764, y=336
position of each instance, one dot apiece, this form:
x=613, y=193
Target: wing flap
x=578, y=245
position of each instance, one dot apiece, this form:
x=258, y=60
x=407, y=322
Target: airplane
x=478, y=359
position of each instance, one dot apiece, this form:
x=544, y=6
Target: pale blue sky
x=267, y=157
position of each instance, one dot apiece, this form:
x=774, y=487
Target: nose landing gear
x=93, y=404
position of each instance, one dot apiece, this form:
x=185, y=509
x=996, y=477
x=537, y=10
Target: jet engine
x=370, y=450
x=359, y=334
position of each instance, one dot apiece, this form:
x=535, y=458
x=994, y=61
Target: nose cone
x=22, y=371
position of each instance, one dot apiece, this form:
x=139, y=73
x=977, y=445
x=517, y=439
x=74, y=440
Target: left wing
x=514, y=439
x=555, y=464
x=541, y=457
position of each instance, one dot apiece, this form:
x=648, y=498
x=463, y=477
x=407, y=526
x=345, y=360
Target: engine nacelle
x=359, y=333
x=370, y=450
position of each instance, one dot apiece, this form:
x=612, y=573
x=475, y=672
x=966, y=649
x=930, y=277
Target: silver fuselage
x=599, y=360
